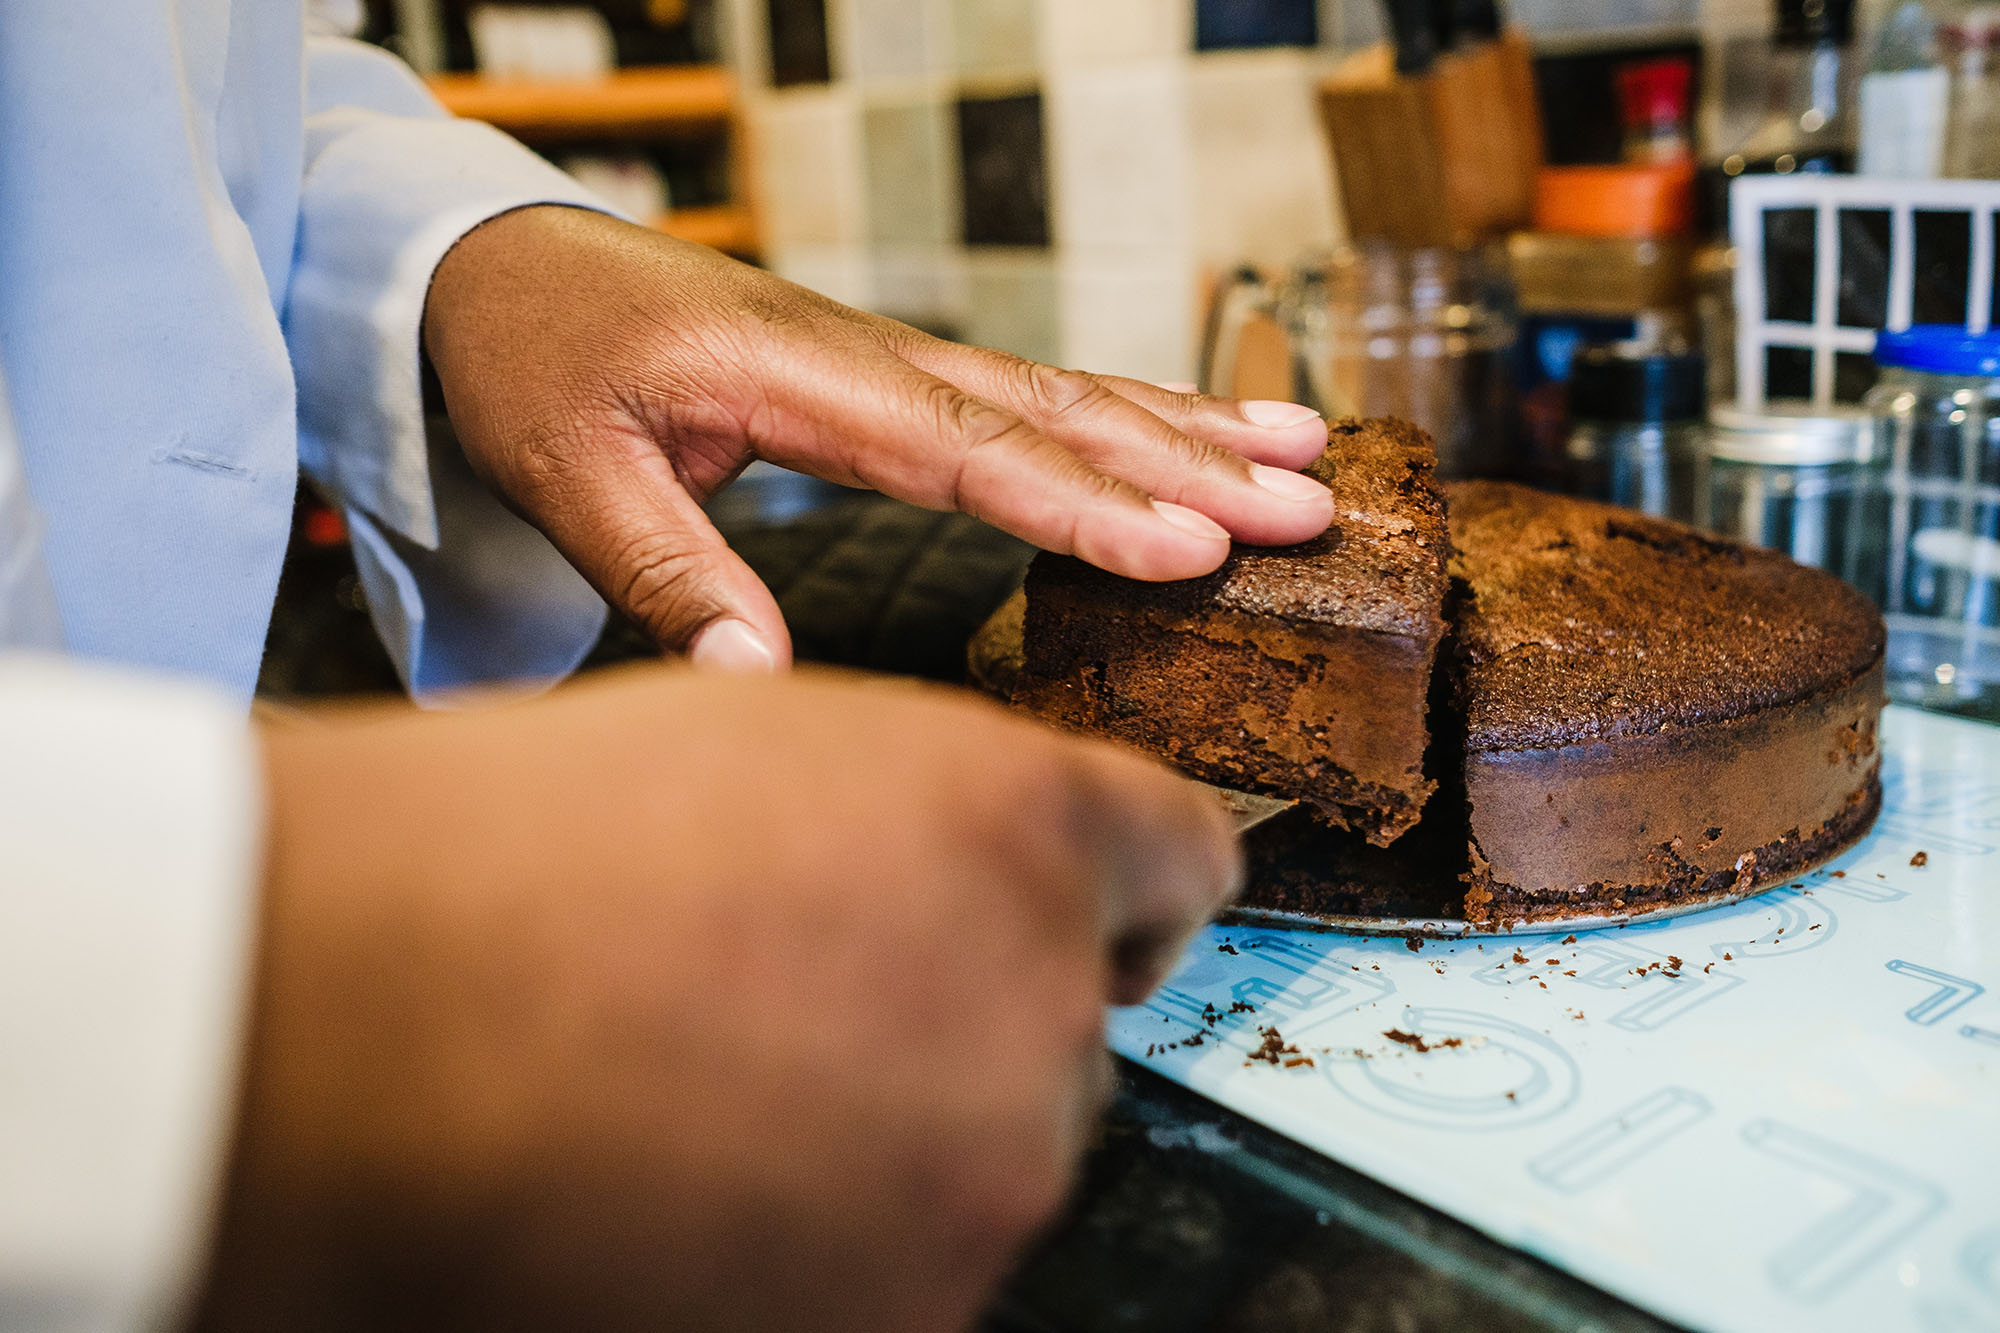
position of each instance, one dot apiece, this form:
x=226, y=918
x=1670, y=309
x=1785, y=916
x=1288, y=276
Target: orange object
x=1631, y=200
x=627, y=101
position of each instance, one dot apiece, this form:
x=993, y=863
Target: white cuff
x=391, y=184
x=129, y=845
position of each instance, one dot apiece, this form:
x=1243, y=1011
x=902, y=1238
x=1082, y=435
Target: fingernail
x=1178, y=386
x=1276, y=416
x=732, y=646
x=1291, y=486
x=1193, y=523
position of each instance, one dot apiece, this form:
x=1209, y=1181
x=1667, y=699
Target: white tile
x=1345, y=25
x=886, y=40
x=842, y=272
x=1119, y=156
x=910, y=154
x=1262, y=180
x=1095, y=32
x=1013, y=303
x=1580, y=18
x=994, y=37
x=809, y=167
x=1130, y=319
x=926, y=287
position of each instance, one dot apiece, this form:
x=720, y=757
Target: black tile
x=1864, y=268
x=798, y=42
x=1002, y=162
x=1943, y=267
x=1853, y=376
x=1788, y=372
x=1789, y=245
x=1221, y=25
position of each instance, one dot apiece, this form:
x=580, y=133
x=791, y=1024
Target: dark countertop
x=1191, y=1217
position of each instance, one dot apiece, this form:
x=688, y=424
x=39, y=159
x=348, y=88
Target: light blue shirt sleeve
x=461, y=589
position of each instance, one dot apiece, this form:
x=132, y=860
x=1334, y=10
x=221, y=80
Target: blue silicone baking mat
x=1779, y=1114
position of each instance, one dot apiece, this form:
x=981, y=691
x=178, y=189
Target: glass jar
x=1637, y=436
x=1937, y=409
x=1380, y=330
x=1801, y=479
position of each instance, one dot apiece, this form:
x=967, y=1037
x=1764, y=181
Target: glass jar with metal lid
x=1801, y=479
x=1937, y=413
x=1637, y=437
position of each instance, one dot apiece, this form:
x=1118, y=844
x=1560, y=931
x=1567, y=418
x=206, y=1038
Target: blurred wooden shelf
x=628, y=102
x=725, y=227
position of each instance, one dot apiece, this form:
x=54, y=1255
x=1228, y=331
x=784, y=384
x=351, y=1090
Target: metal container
x=1800, y=479
x=1937, y=414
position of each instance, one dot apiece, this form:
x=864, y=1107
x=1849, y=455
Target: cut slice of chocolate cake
x=1298, y=671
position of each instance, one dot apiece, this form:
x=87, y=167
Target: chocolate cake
x=1650, y=713
x=1629, y=715
x=1248, y=677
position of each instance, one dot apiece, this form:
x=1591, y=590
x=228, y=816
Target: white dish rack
x=1753, y=198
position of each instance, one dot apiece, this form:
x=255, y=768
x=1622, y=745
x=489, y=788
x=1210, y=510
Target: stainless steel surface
x=1247, y=809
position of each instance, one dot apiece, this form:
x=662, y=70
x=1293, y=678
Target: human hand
x=677, y=1000
x=607, y=380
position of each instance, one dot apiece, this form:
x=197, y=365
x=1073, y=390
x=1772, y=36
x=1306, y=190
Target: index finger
x=1168, y=861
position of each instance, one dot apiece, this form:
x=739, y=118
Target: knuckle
x=655, y=577
x=1057, y=393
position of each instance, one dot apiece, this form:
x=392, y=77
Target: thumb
x=643, y=542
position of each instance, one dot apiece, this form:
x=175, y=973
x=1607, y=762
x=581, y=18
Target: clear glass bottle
x=1809, y=121
x=1937, y=414
x=1904, y=97
x=1970, y=46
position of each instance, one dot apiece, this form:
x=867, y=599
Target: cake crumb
x=1569, y=939
x=1728, y=958
x=1242, y=1007
x=1295, y=1061
x=1413, y=944
x=1273, y=1050
x=1520, y=957
x=1225, y=948
x=1418, y=1044
x=1920, y=859
x=1814, y=926
x=1838, y=874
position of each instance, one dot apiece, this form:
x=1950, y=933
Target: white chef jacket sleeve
x=130, y=812
x=461, y=589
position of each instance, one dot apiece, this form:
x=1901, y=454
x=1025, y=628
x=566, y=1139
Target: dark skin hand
x=802, y=1030
x=607, y=380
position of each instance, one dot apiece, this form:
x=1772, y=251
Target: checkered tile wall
x=1059, y=178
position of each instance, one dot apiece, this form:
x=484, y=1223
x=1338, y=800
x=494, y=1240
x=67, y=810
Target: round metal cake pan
x=1448, y=928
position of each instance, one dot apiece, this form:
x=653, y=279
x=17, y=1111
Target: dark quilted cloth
x=872, y=583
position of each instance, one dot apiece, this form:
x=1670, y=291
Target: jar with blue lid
x=1937, y=413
